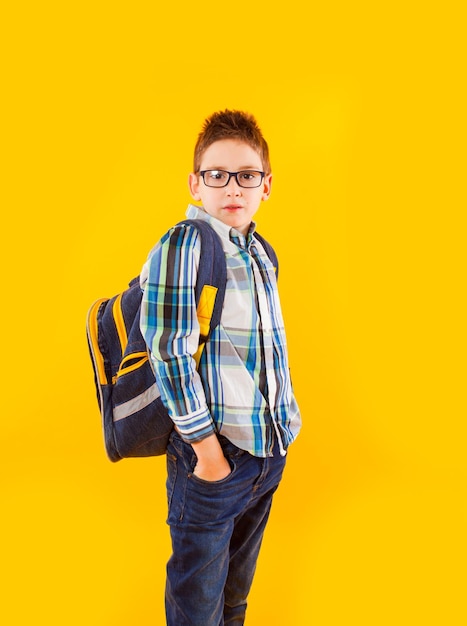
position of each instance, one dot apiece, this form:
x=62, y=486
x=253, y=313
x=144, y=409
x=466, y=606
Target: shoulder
x=182, y=235
x=267, y=249
x=180, y=244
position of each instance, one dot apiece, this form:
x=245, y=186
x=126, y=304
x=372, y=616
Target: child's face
x=232, y=204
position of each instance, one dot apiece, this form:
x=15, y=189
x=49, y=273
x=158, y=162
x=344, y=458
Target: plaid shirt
x=242, y=387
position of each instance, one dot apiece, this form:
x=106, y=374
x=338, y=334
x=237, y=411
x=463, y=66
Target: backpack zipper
x=92, y=334
x=143, y=357
x=119, y=322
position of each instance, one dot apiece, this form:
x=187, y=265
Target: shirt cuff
x=196, y=426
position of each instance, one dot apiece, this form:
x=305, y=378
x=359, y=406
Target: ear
x=193, y=184
x=267, y=183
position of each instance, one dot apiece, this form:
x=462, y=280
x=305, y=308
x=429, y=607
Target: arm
x=170, y=327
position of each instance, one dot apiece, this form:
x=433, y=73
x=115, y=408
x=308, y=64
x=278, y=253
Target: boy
x=236, y=415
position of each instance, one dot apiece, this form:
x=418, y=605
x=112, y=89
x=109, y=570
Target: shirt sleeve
x=169, y=325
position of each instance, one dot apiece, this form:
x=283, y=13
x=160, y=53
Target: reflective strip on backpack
x=136, y=404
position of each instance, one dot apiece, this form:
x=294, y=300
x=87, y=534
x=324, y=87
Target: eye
x=247, y=175
x=217, y=174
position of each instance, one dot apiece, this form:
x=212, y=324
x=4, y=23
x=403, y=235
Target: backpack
x=135, y=421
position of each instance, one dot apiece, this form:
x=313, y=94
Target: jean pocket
x=222, y=481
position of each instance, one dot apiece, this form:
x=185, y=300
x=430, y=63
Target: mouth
x=233, y=207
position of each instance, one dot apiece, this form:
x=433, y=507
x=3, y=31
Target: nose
x=233, y=187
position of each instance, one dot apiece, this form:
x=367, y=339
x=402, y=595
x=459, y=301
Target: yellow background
x=363, y=107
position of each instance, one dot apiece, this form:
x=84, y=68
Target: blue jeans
x=216, y=529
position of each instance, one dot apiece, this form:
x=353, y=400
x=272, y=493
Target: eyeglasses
x=221, y=178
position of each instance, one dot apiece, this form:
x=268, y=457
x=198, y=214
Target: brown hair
x=232, y=125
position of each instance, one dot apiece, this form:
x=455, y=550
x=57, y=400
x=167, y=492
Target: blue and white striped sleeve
x=170, y=328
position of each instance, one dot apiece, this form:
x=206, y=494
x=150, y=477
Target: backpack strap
x=269, y=251
x=211, y=280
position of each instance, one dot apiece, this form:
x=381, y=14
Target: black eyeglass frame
x=235, y=174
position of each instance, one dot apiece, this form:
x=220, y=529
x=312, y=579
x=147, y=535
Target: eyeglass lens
x=221, y=178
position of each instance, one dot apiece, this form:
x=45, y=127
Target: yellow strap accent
x=206, y=307
x=133, y=355
x=204, y=313
x=92, y=325
x=143, y=357
x=198, y=353
x=118, y=317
